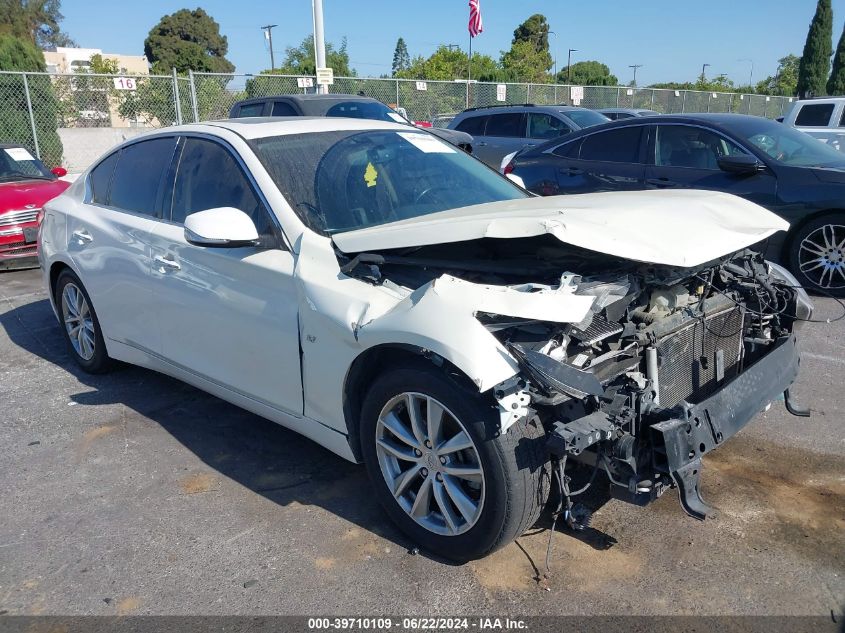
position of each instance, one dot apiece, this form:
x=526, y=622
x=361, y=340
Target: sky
x=670, y=38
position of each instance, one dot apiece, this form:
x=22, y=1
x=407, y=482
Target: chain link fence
x=33, y=106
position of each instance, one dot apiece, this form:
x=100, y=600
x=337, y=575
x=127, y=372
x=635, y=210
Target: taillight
x=508, y=168
x=39, y=217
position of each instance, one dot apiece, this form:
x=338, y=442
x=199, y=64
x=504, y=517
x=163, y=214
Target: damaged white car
x=395, y=300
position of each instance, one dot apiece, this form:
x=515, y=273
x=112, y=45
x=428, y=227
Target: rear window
x=251, y=109
x=473, y=125
x=814, y=115
x=282, y=108
x=506, y=125
x=100, y=179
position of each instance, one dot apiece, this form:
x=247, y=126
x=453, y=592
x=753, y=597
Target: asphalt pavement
x=133, y=493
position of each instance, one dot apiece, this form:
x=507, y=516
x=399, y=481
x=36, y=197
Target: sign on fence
x=421, y=85
x=125, y=83
x=501, y=92
x=304, y=82
x=325, y=76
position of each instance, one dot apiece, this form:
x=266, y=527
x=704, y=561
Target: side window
x=614, y=146
x=251, y=109
x=544, y=126
x=209, y=177
x=687, y=146
x=814, y=115
x=472, y=125
x=138, y=175
x=282, y=108
x=100, y=179
x=842, y=119
x=509, y=125
x=568, y=150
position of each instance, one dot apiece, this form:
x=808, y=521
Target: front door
x=228, y=315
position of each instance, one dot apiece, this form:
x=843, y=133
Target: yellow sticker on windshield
x=370, y=175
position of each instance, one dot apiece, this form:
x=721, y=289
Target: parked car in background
x=338, y=105
x=774, y=165
x=499, y=130
x=614, y=114
x=25, y=185
x=823, y=119
x=379, y=291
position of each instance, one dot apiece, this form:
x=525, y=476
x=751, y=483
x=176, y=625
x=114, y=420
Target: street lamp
x=703, y=66
x=635, y=66
x=569, y=65
x=751, y=76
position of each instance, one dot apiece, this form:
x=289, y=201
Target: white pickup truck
x=822, y=118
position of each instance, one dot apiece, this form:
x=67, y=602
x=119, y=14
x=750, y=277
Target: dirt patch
x=197, y=483
x=324, y=563
x=128, y=605
x=785, y=497
x=90, y=437
x=576, y=565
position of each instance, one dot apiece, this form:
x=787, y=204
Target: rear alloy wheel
x=80, y=326
x=818, y=257
x=441, y=469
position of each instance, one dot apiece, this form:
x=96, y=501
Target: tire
x=817, y=254
x=88, y=349
x=509, y=493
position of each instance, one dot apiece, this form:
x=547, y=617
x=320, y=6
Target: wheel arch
x=795, y=227
x=375, y=360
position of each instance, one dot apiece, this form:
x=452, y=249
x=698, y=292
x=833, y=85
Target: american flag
x=475, y=26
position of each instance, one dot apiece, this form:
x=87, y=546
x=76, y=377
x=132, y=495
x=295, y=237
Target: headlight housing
x=803, y=303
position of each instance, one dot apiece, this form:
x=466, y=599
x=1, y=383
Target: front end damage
x=634, y=369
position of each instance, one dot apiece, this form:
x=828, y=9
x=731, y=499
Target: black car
x=337, y=105
x=776, y=166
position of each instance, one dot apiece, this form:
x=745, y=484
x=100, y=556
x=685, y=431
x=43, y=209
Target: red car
x=25, y=185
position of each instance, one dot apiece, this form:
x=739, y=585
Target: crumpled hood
x=673, y=228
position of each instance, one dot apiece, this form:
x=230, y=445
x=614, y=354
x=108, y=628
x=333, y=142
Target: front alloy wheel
x=821, y=256
x=430, y=463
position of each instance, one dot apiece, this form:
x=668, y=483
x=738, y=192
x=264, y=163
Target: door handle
x=83, y=236
x=166, y=263
x=481, y=144
x=573, y=171
x=661, y=182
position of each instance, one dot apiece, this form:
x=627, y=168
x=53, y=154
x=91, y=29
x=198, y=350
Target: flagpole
x=469, y=69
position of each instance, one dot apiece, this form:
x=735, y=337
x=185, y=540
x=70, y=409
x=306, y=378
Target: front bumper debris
x=695, y=430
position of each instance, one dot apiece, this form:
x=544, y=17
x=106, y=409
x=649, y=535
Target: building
x=94, y=101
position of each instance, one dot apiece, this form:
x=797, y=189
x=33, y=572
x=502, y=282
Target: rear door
x=686, y=156
x=505, y=133
x=226, y=314
x=610, y=160
x=109, y=240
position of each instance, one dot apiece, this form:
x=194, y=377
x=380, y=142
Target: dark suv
x=338, y=105
x=501, y=130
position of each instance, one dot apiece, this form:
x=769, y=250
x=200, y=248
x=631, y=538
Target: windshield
x=787, y=145
x=585, y=118
x=16, y=163
x=373, y=110
x=347, y=180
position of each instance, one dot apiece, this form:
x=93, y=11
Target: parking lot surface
x=132, y=493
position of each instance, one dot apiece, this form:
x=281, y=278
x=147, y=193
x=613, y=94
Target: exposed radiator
x=695, y=360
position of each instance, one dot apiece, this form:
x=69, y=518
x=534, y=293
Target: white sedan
x=396, y=301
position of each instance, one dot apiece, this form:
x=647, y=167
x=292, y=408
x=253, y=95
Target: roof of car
x=495, y=108
x=309, y=97
x=9, y=145
x=260, y=127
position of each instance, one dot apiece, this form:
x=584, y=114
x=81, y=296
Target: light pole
x=319, y=41
x=268, y=31
x=554, y=56
x=569, y=65
x=703, y=66
x=635, y=66
x=751, y=76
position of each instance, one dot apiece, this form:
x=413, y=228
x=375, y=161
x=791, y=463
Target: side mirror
x=59, y=171
x=740, y=164
x=223, y=227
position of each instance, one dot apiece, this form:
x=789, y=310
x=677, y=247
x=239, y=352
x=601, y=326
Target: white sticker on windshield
x=19, y=153
x=397, y=117
x=426, y=143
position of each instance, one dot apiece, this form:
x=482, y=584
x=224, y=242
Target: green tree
x=187, y=40
x=589, y=73
x=401, y=58
x=529, y=59
x=836, y=83
x=447, y=64
x=815, y=61
x=15, y=125
x=785, y=80
x=299, y=60
x=36, y=21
